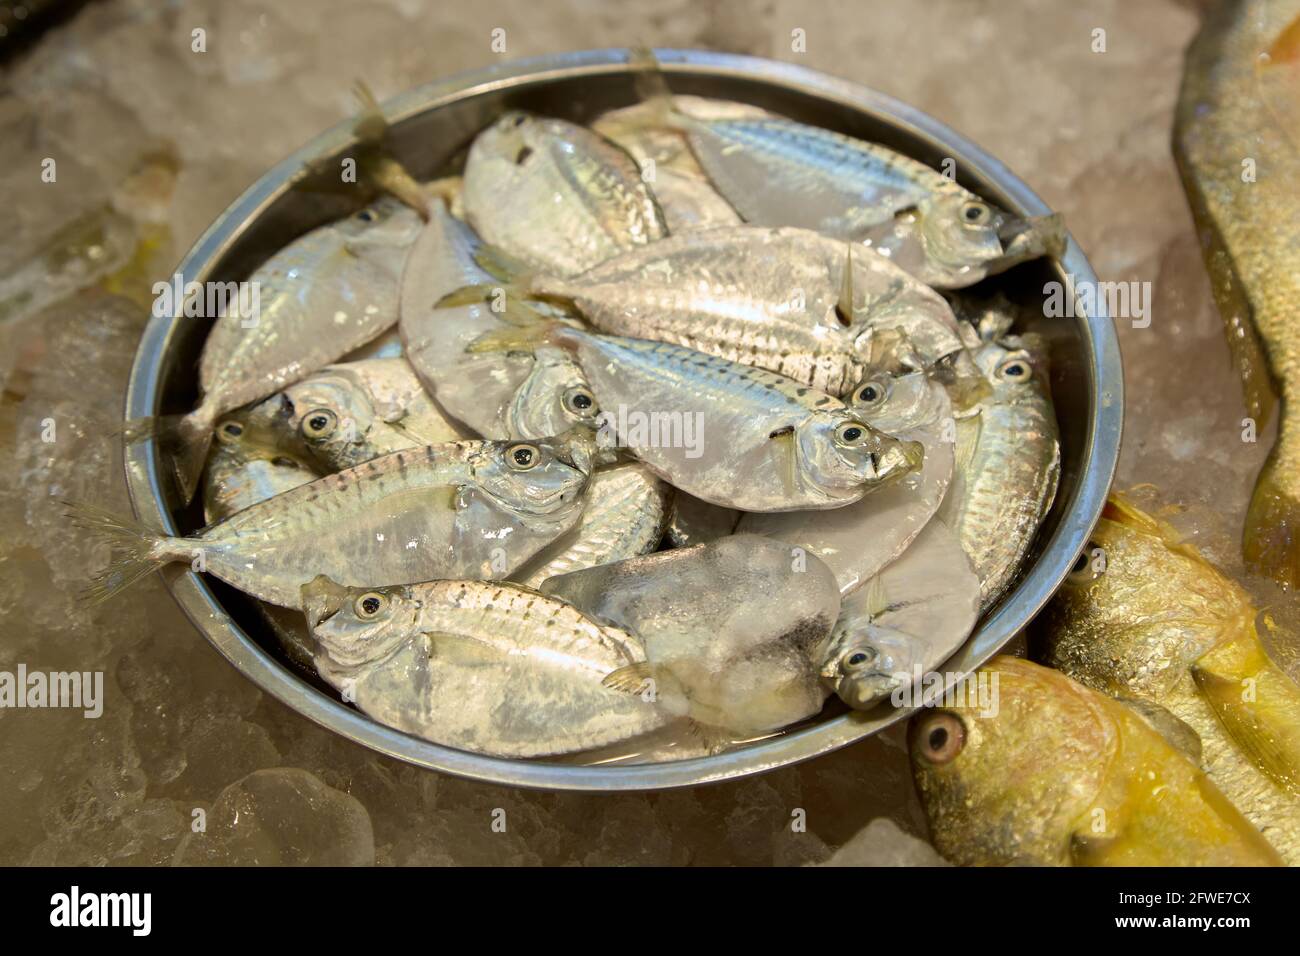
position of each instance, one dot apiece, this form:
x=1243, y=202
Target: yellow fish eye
x=940, y=737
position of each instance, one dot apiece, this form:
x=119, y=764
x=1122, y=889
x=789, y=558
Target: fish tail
x=652, y=86
x=186, y=438
x=1257, y=703
x=376, y=160
x=1270, y=541
x=137, y=549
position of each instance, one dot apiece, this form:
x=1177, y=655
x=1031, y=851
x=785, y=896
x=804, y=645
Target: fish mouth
x=898, y=460
x=322, y=598
x=1032, y=237
x=579, y=448
x=865, y=691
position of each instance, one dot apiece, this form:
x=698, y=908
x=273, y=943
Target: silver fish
x=905, y=622
x=473, y=508
x=496, y=395
x=733, y=435
x=857, y=541
x=779, y=172
x=1008, y=463
x=731, y=629
x=487, y=667
x=627, y=508
x=556, y=195
x=347, y=414
x=787, y=300
x=320, y=297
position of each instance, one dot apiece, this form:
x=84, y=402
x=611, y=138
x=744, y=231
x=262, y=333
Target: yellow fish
x=1045, y=772
x=1143, y=616
x=1237, y=142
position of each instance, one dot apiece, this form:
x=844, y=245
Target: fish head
x=503, y=150
x=1139, y=606
x=331, y=414
x=839, y=453
x=1009, y=762
x=250, y=462
x=533, y=478
x=894, y=399
x=357, y=625
x=1015, y=368
x=257, y=435
x=385, y=224
x=554, y=398
x=863, y=666
x=967, y=239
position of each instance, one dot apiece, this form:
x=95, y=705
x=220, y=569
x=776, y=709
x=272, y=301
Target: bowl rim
x=1100, y=452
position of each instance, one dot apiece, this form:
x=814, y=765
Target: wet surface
x=151, y=140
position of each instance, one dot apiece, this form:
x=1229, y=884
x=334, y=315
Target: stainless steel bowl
x=430, y=126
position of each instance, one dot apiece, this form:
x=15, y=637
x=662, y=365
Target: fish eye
x=975, y=213
x=871, y=393
x=523, y=457
x=579, y=400
x=370, y=605
x=858, y=659
x=940, y=737
x=319, y=423
x=851, y=433
x=367, y=215
x=1014, y=369
x=230, y=430
x=519, y=120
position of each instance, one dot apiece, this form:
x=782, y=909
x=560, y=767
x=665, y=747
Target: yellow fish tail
x=1257, y=703
x=1270, y=541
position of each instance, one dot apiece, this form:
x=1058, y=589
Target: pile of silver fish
x=661, y=429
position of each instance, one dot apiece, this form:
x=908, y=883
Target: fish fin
x=1270, y=540
x=711, y=738
x=184, y=438
x=876, y=598
x=445, y=189
x=633, y=678
x=527, y=331
x=375, y=158
x=967, y=440
x=136, y=548
x=784, y=439
x=500, y=264
x=1257, y=703
x=967, y=385
x=461, y=649
x=468, y=295
x=652, y=86
x=515, y=300
x=844, y=305
x=1286, y=47
x=1177, y=732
